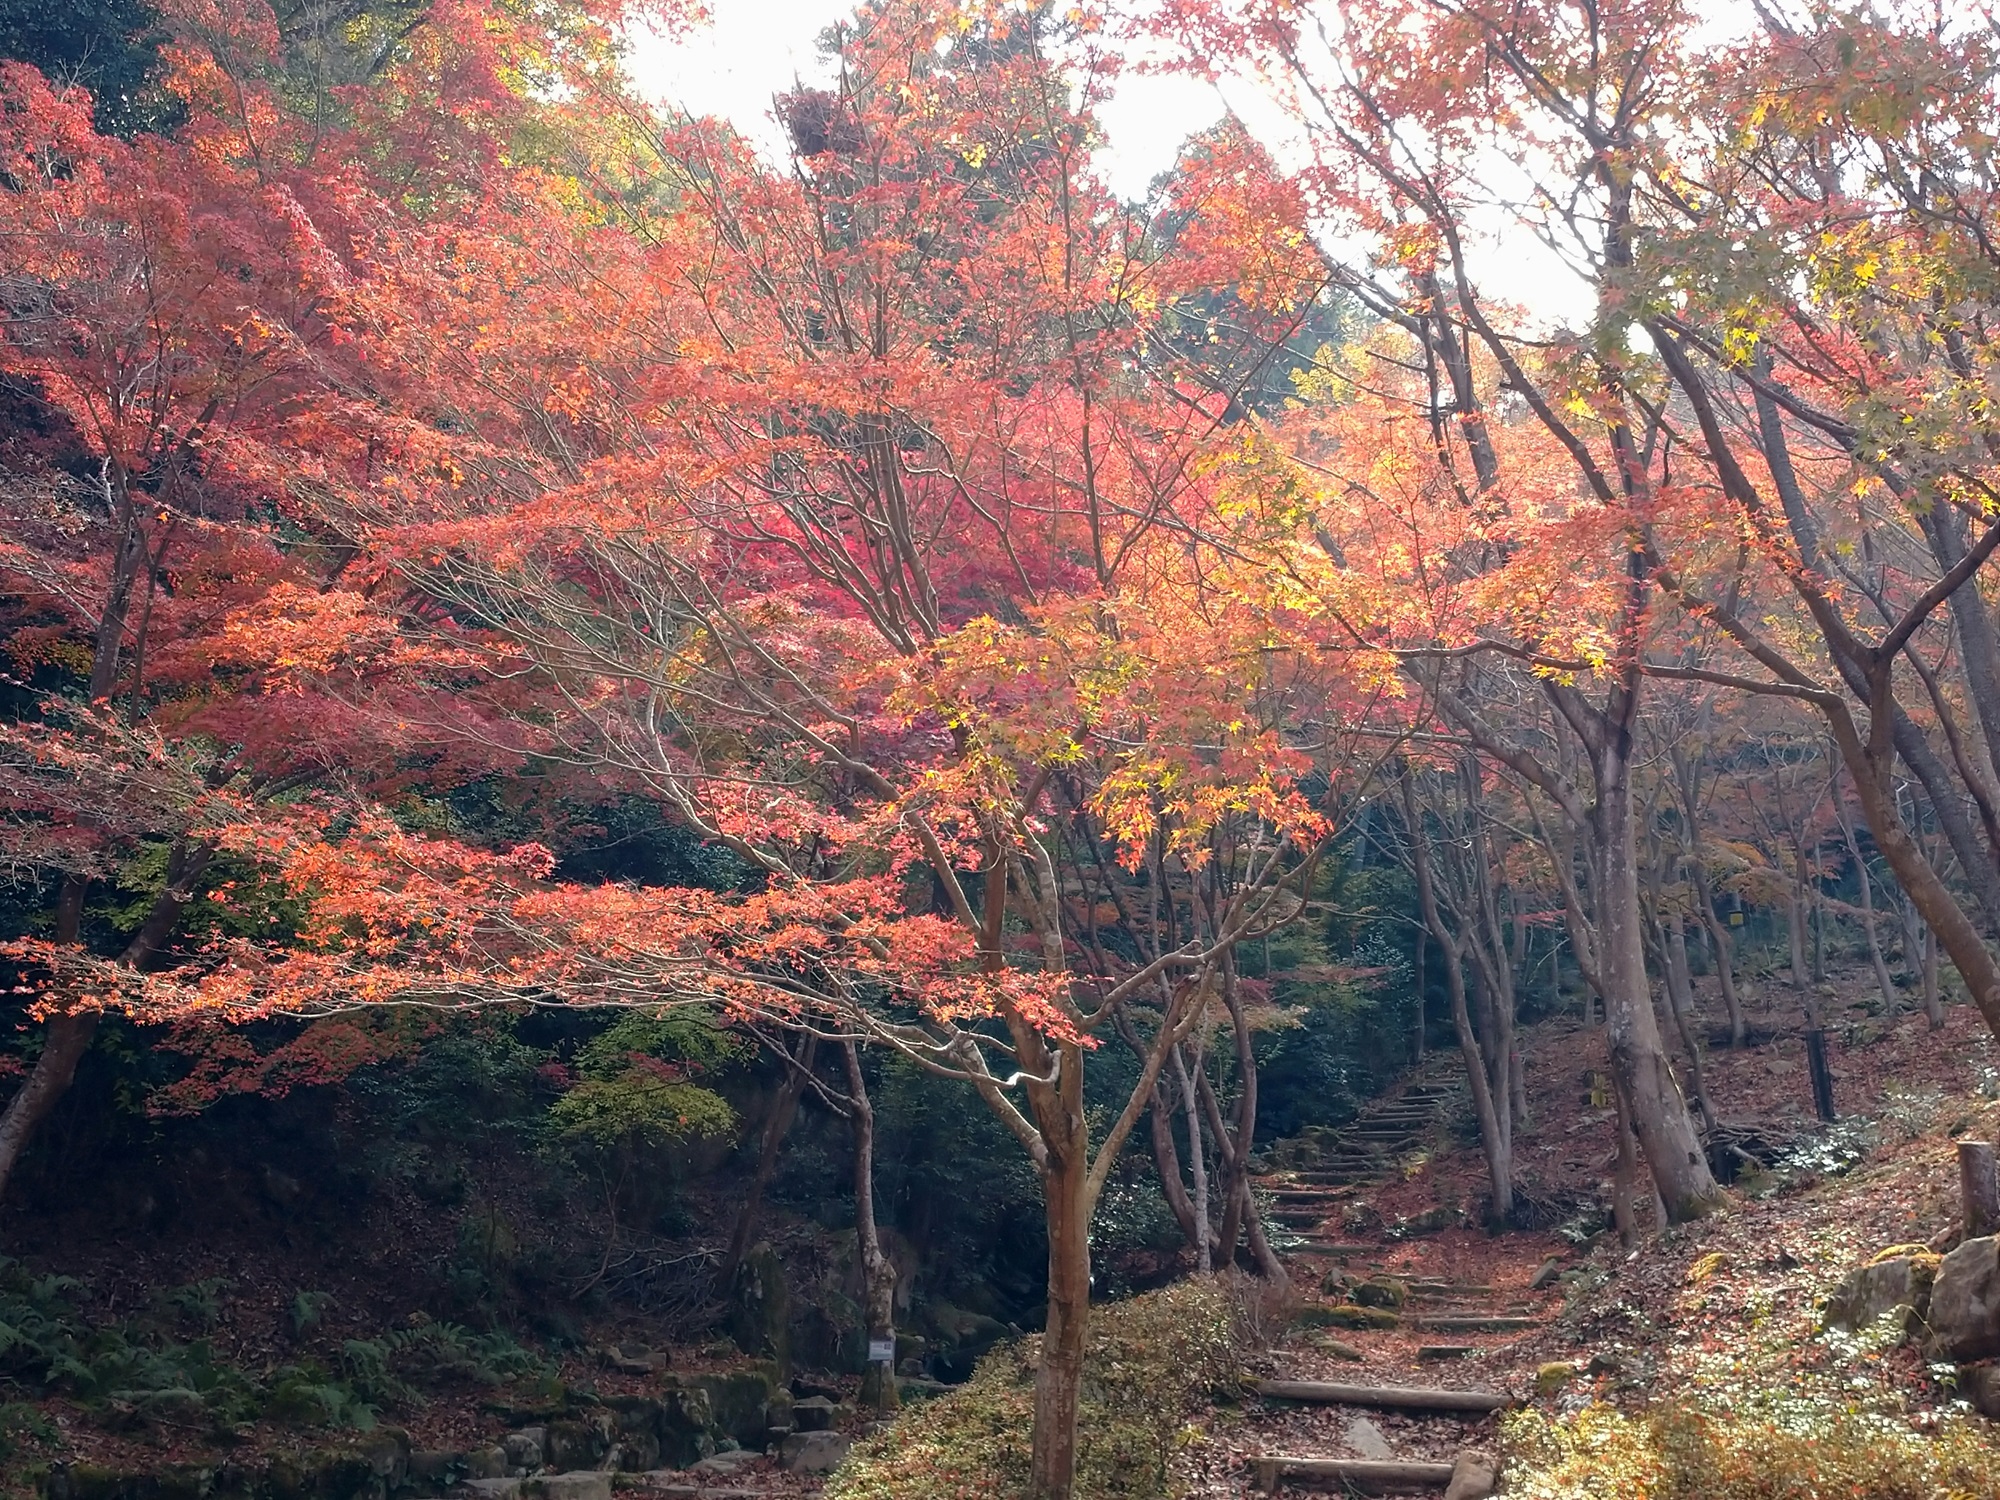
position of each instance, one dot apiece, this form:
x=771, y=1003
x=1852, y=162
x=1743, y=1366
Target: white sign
x=881, y=1351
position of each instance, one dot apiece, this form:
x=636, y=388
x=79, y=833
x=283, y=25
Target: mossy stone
x=1381, y=1291
x=1345, y=1315
x=1553, y=1376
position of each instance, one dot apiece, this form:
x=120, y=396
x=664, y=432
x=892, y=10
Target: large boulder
x=760, y=1308
x=741, y=1402
x=672, y=1430
x=577, y=1445
x=1964, y=1313
x=813, y=1452
x=1898, y=1285
x=1980, y=1384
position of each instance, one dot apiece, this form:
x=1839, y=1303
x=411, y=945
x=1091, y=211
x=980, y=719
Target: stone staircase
x=1438, y=1438
x=1312, y=1175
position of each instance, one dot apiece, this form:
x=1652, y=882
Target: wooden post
x=1822, y=1074
x=1979, y=1188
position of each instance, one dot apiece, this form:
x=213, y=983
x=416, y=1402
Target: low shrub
x=1677, y=1451
x=1152, y=1366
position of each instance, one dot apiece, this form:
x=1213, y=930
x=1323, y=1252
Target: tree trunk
x=1680, y=1001
x=1204, y=1249
x=64, y=1041
x=1978, y=1188
x=1059, y=1378
x=67, y=1037
x=1820, y=1071
x=878, y=1272
x=1917, y=875
x=776, y=1126
x=1422, y=979
x=1891, y=1002
x=1167, y=1161
x=1659, y=1113
x=1626, y=1173
x=1495, y=1137
x=1795, y=928
x=1517, y=1073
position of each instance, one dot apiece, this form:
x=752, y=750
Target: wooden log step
x=1402, y=1397
x=1475, y=1325
x=1419, y=1288
x=1316, y=1194
x=1433, y=1353
x=1365, y=1474
x=1328, y=1247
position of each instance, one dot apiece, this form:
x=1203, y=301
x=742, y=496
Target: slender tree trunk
x=776, y=1126
x=1204, y=1250
x=1518, y=1073
x=1494, y=1135
x=67, y=1037
x=1795, y=929
x=1941, y=913
x=1638, y=1060
x=878, y=1272
x=1625, y=1174
x=1233, y=1146
x=1167, y=1162
x=1422, y=981
x=1891, y=1002
x=1065, y=1183
x=1680, y=1001
x=1240, y=1217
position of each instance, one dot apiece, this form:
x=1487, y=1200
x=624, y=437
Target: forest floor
x=1736, y=1292
x=1733, y=1297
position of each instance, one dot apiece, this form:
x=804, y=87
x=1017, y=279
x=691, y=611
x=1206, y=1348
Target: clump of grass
x=1685, y=1451
x=1152, y=1366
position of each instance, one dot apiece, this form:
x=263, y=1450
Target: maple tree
x=878, y=548
x=892, y=577
x=1018, y=587
x=1745, y=226
x=181, y=601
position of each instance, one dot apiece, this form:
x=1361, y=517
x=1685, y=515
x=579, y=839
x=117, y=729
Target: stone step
x=1372, y=1475
x=1397, y=1397
x=1475, y=1325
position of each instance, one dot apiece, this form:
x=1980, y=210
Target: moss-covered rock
x=1345, y=1315
x=760, y=1308
x=1381, y=1291
x=1553, y=1377
x=740, y=1401
x=1152, y=1364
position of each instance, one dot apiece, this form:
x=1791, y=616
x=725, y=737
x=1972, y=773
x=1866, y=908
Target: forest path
x=1402, y=1320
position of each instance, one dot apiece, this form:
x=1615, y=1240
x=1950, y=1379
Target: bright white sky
x=754, y=49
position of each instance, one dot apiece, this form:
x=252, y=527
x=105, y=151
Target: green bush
x=1675, y=1451
x=1152, y=1365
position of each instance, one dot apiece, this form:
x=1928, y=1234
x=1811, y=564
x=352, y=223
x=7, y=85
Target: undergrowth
x=133, y=1371
x=1153, y=1363
x=1687, y=1451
